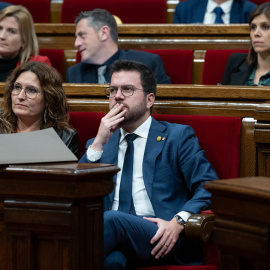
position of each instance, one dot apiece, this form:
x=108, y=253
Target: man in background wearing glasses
x=97, y=42
x=161, y=178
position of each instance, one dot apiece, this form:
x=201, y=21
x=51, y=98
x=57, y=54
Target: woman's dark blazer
x=237, y=70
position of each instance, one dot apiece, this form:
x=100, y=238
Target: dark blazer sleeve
x=237, y=70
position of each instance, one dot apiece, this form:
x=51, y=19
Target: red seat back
x=219, y=136
x=86, y=124
x=214, y=65
x=259, y=2
x=131, y=11
x=56, y=57
x=39, y=9
x=177, y=64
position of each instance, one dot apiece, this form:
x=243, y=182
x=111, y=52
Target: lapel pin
x=163, y=138
x=158, y=138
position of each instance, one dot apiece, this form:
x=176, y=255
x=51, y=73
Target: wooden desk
x=242, y=224
x=51, y=216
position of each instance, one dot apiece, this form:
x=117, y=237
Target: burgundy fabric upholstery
x=259, y=2
x=177, y=63
x=220, y=138
x=86, y=124
x=39, y=9
x=214, y=65
x=131, y=11
x=56, y=57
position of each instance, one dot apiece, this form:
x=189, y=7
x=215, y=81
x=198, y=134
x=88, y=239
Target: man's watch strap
x=180, y=220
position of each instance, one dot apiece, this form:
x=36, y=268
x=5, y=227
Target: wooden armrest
x=200, y=226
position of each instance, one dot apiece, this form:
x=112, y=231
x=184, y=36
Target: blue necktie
x=125, y=192
x=219, y=12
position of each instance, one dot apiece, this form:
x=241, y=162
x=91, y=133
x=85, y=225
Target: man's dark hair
x=147, y=76
x=97, y=18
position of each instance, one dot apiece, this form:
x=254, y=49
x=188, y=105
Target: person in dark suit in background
x=97, y=42
x=252, y=68
x=164, y=183
x=207, y=12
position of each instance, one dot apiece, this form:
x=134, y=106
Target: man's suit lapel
x=198, y=12
x=155, y=142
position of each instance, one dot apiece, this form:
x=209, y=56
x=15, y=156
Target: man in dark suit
x=203, y=11
x=97, y=42
x=145, y=214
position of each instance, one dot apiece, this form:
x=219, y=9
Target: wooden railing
x=252, y=104
x=198, y=38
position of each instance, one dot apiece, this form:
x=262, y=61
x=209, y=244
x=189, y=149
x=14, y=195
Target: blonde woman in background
x=18, y=40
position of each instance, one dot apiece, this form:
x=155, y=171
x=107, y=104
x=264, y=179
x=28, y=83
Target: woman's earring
x=45, y=115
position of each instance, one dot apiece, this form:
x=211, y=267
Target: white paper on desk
x=34, y=147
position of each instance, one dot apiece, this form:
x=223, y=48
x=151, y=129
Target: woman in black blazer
x=252, y=68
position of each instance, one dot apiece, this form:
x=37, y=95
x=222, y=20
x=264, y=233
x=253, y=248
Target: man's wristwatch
x=180, y=220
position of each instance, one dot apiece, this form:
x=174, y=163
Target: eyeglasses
x=126, y=90
x=30, y=91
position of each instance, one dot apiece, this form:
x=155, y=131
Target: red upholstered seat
x=86, y=125
x=177, y=63
x=214, y=65
x=220, y=138
x=39, y=9
x=259, y=2
x=131, y=11
x=56, y=57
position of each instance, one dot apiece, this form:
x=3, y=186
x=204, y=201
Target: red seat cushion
x=131, y=11
x=214, y=65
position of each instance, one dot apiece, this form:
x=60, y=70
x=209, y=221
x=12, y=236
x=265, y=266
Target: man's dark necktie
x=101, y=72
x=219, y=12
x=125, y=192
